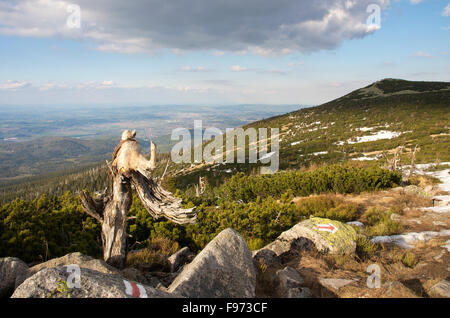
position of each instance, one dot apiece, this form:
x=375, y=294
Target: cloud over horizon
x=263, y=27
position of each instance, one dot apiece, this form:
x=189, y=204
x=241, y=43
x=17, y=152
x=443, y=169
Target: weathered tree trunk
x=111, y=209
x=111, y=212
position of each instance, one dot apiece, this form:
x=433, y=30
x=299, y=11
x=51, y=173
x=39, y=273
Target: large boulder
x=56, y=282
x=79, y=259
x=13, y=272
x=326, y=235
x=224, y=268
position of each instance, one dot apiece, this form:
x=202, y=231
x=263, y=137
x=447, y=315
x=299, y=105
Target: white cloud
x=294, y=64
x=263, y=27
x=13, y=85
x=446, y=12
x=194, y=69
x=238, y=68
x=421, y=54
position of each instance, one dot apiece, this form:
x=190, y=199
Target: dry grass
x=156, y=253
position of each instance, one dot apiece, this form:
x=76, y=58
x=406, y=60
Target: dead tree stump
x=130, y=168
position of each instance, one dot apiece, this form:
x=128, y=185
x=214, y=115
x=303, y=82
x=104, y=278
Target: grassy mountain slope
x=369, y=124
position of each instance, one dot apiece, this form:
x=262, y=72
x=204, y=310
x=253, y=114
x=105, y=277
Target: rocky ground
x=316, y=258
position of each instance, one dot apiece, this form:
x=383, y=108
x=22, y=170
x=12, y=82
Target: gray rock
x=179, y=258
x=54, y=283
x=289, y=284
x=302, y=292
x=83, y=261
x=395, y=289
x=441, y=289
x=13, y=272
x=135, y=275
x=224, y=268
x=265, y=259
x=336, y=283
x=418, y=191
x=340, y=238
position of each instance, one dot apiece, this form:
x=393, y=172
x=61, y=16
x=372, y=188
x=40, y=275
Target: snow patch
x=437, y=209
x=382, y=134
x=365, y=158
x=355, y=223
x=406, y=240
x=320, y=153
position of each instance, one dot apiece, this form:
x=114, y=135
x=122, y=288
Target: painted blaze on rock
x=339, y=238
x=326, y=235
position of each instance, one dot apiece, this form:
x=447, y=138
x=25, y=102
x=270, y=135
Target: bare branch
x=91, y=206
x=159, y=202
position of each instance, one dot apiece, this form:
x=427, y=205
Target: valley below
x=358, y=209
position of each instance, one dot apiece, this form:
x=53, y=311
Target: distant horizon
x=149, y=104
x=215, y=52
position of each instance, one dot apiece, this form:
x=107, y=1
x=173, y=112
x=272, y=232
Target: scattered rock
x=397, y=189
x=303, y=292
x=13, y=272
x=56, y=283
x=396, y=289
x=289, y=284
x=396, y=217
x=415, y=190
x=336, y=283
x=78, y=259
x=224, y=268
x=326, y=235
x=441, y=289
x=266, y=258
x=178, y=259
x=439, y=256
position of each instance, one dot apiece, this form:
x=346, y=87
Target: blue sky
x=214, y=52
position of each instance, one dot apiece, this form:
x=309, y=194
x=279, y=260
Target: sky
x=215, y=52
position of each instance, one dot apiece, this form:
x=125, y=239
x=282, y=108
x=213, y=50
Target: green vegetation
x=47, y=227
x=365, y=249
x=380, y=222
x=258, y=207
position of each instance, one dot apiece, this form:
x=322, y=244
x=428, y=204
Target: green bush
x=333, y=178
